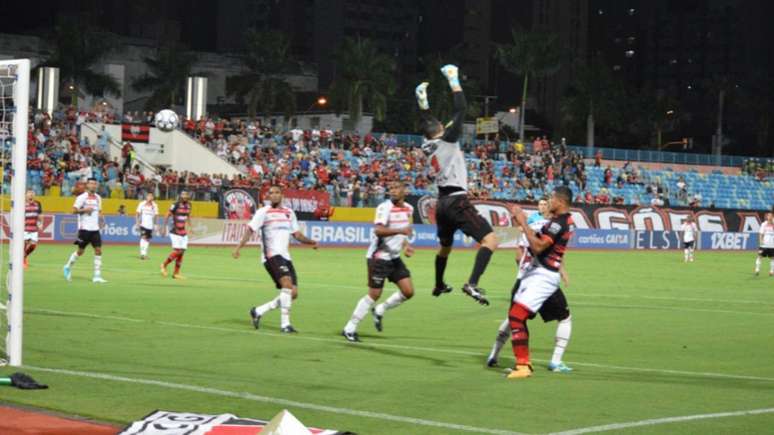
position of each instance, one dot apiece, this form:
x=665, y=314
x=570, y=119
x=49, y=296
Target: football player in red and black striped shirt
x=540, y=279
x=180, y=212
x=32, y=211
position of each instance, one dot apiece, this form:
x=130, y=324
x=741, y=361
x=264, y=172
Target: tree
x=757, y=106
x=75, y=47
x=535, y=54
x=441, y=98
x=267, y=62
x=166, y=76
x=365, y=79
x=593, y=98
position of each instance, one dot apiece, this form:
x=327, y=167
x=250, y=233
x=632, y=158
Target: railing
x=664, y=157
x=147, y=168
x=618, y=153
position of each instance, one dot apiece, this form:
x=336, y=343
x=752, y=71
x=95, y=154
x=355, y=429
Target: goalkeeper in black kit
x=453, y=211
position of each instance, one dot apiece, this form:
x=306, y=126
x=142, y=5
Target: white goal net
x=14, y=108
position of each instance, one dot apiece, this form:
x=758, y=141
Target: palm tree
x=267, y=61
x=364, y=79
x=535, y=54
x=75, y=47
x=165, y=77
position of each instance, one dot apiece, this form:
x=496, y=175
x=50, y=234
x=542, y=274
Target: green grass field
x=652, y=338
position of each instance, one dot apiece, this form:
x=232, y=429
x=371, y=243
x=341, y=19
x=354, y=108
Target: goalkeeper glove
x=451, y=73
x=421, y=93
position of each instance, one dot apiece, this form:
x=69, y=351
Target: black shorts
x=86, y=238
x=688, y=245
x=278, y=266
x=554, y=308
x=146, y=233
x=392, y=270
x=766, y=252
x=455, y=212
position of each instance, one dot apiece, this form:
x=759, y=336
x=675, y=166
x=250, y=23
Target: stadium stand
x=353, y=169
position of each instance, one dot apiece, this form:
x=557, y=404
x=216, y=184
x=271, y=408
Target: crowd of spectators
x=761, y=169
x=352, y=169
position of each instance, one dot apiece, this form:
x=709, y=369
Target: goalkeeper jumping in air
x=453, y=211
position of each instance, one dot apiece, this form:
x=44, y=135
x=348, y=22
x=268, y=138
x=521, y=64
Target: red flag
x=135, y=133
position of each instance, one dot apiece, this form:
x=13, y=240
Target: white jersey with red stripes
x=394, y=218
x=276, y=225
x=767, y=235
x=690, y=230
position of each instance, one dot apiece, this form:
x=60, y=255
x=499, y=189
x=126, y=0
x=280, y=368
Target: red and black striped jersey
x=32, y=211
x=558, y=232
x=180, y=212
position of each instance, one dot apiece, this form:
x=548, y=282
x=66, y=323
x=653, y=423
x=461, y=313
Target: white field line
x=665, y=420
x=579, y=294
x=397, y=346
x=275, y=401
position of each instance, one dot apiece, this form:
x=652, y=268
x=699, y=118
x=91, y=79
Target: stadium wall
x=224, y=232
x=64, y=204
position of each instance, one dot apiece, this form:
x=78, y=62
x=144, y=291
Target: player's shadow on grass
x=441, y=362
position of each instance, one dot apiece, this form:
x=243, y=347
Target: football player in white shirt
x=392, y=229
x=690, y=234
x=454, y=210
x=88, y=207
x=554, y=308
x=276, y=224
x=766, y=244
x=146, y=217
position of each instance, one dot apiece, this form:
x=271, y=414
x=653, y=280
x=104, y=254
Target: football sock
x=685, y=254
x=482, y=260
x=97, y=265
x=179, y=262
x=363, y=305
x=440, y=269
x=171, y=258
x=72, y=260
x=268, y=306
x=563, y=332
x=771, y=267
x=393, y=301
x=502, y=336
x=757, y=264
x=285, y=300
x=144, y=247
x=517, y=317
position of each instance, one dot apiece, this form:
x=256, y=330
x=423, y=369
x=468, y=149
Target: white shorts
x=537, y=285
x=32, y=237
x=179, y=242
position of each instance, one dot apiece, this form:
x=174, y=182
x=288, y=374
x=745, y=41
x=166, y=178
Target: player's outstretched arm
x=454, y=130
x=298, y=235
x=242, y=242
x=564, y=276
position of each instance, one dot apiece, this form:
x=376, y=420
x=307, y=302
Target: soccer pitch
x=653, y=339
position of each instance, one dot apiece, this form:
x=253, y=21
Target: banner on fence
x=242, y=203
x=207, y=231
x=612, y=218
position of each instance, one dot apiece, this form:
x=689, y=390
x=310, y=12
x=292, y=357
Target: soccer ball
x=166, y=120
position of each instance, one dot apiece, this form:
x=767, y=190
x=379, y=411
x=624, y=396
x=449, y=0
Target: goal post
x=14, y=121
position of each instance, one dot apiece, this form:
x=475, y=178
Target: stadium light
x=512, y=110
x=322, y=101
